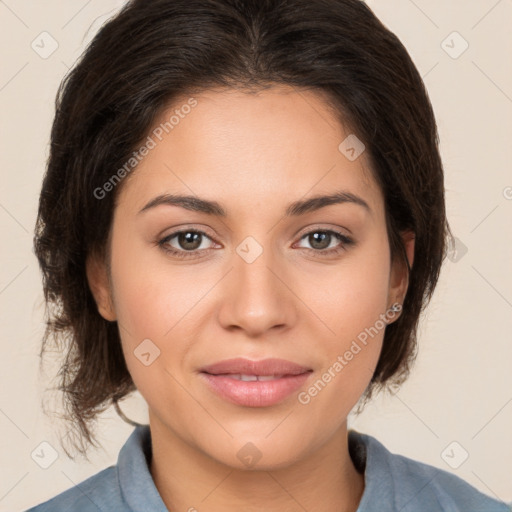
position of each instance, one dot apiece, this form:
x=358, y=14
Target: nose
x=257, y=296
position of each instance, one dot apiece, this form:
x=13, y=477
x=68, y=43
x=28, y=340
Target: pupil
x=322, y=237
x=188, y=238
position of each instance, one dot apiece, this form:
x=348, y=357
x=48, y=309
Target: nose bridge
x=257, y=298
x=253, y=263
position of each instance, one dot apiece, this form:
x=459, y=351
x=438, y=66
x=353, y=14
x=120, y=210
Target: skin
x=254, y=154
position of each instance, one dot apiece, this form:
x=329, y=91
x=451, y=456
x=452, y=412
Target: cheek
x=353, y=309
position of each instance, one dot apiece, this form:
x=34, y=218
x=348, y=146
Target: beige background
x=461, y=388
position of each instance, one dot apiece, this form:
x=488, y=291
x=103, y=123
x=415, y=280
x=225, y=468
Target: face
x=264, y=280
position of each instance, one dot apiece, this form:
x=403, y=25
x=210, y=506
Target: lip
x=219, y=377
x=266, y=367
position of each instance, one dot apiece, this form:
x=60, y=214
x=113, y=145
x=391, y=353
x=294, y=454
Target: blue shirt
x=392, y=483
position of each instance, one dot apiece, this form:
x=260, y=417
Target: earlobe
x=99, y=285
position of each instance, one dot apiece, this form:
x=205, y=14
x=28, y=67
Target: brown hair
x=154, y=51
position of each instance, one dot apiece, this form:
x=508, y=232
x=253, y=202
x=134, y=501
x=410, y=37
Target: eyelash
x=346, y=241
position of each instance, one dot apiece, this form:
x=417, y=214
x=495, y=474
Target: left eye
x=318, y=239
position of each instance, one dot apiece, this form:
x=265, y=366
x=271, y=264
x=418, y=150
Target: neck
x=189, y=479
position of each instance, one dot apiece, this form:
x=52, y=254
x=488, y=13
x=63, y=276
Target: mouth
x=255, y=383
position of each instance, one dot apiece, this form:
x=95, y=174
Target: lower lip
x=255, y=393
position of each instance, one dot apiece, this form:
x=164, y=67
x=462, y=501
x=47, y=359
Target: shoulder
x=99, y=492
x=410, y=485
x=426, y=484
x=126, y=486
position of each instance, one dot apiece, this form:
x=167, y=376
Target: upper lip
x=269, y=367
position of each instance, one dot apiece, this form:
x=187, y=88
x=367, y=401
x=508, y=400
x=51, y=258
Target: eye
x=320, y=240
x=189, y=241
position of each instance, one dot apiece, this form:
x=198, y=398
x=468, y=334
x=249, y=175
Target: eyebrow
x=294, y=209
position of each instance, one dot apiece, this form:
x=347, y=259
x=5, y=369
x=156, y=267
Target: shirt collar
x=135, y=480
x=370, y=456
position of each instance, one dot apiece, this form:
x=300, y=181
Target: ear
x=399, y=278
x=97, y=277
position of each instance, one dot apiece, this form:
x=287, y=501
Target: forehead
x=249, y=148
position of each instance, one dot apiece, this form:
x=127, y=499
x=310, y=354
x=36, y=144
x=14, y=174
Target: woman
x=242, y=218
